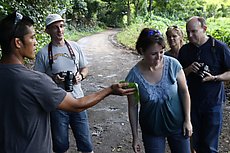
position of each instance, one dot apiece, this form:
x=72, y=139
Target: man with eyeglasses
x=27, y=97
x=56, y=59
x=206, y=64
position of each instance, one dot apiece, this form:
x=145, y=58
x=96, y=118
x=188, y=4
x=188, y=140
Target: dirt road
x=109, y=119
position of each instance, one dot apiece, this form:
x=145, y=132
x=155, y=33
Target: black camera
x=203, y=68
x=69, y=80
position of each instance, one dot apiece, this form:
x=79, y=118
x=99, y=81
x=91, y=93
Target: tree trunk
x=150, y=6
x=129, y=13
x=137, y=6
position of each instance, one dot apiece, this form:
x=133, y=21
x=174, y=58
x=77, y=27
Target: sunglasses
x=153, y=33
x=18, y=18
x=173, y=27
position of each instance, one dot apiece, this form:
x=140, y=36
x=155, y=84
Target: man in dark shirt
x=206, y=64
x=27, y=97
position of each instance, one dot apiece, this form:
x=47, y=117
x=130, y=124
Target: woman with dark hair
x=175, y=40
x=164, y=98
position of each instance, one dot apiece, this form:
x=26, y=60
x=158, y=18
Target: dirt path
x=109, y=119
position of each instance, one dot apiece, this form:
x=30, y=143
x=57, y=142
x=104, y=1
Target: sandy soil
x=109, y=63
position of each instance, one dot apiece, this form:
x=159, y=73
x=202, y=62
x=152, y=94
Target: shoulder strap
x=50, y=53
x=213, y=49
x=71, y=51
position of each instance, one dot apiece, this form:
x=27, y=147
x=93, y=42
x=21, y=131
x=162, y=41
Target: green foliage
x=72, y=34
x=140, y=7
x=182, y=10
x=219, y=28
x=79, y=13
x=129, y=35
x=218, y=2
x=111, y=12
x=179, y=10
x=85, y=15
x=35, y=9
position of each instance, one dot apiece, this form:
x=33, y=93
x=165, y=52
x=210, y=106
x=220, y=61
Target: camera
x=69, y=79
x=202, y=69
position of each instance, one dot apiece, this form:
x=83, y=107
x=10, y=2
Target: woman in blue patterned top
x=164, y=98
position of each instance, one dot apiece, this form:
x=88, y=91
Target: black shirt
x=216, y=55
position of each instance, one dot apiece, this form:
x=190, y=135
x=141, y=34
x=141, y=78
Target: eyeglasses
x=18, y=18
x=153, y=32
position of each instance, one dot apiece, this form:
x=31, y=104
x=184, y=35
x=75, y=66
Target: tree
x=140, y=7
x=128, y=12
x=35, y=9
x=150, y=6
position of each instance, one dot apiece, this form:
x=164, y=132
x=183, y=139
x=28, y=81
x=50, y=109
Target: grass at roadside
x=76, y=35
x=128, y=36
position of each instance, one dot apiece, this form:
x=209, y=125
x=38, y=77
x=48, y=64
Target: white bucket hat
x=51, y=18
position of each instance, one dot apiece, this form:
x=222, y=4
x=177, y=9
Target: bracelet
x=82, y=77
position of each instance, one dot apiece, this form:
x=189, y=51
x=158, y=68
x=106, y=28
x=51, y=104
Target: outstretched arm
x=76, y=105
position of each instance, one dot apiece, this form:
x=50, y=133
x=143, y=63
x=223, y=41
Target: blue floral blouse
x=161, y=112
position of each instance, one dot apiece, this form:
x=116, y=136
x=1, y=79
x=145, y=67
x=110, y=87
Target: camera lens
x=69, y=81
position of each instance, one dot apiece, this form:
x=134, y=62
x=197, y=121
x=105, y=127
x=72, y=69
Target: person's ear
x=205, y=28
x=18, y=43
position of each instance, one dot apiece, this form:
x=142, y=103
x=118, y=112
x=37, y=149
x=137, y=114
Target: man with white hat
x=66, y=64
x=27, y=97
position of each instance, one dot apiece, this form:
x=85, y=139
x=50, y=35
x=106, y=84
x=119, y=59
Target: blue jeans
x=60, y=121
x=156, y=144
x=207, y=125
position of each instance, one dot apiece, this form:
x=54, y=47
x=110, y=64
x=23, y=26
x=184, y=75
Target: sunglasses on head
x=173, y=27
x=153, y=33
x=18, y=18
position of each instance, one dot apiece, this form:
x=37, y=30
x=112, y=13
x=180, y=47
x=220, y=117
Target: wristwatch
x=82, y=76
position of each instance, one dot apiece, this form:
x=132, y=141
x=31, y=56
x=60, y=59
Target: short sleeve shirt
x=161, y=111
x=27, y=97
x=62, y=62
x=217, y=57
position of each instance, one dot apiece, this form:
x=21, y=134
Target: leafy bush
x=73, y=34
x=218, y=28
x=179, y=10
x=129, y=35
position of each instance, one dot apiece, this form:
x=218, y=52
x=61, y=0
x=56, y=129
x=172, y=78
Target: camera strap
x=213, y=50
x=50, y=53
